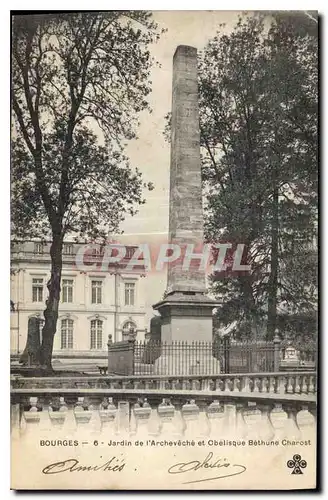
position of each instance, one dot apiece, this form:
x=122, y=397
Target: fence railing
x=131, y=357
x=177, y=358
x=249, y=356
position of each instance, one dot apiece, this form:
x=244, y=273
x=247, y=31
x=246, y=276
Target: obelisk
x=186, y=311
x=186, y=213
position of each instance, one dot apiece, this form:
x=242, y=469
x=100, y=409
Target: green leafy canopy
x=258, y=120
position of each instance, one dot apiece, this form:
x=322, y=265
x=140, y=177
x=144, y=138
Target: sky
x=150, y=152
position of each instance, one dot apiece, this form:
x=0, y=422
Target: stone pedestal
x=182, y=364
x=186, y=335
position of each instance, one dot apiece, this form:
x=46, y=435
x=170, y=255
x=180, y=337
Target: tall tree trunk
x=52, y=303
x=273, y=281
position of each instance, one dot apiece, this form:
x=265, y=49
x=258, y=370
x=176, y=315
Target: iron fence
x=221, y=356
x=176, y=358
x=250, y=357
x=155, y=357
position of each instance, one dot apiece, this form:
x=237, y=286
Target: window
x=96, y=252
x=37, y=290
x=68, y=249
x=96, y=334
x=130, y=252
x=129, y=326
x=129, y=294
x=67, y=290
x=67, y=334
x=96, y=292
x=38, y=248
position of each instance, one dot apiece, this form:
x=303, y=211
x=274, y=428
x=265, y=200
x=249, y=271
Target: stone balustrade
x=267, y=406
x=297, y=383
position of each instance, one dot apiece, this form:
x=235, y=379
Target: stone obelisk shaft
x=186, y=213
x=186, y=311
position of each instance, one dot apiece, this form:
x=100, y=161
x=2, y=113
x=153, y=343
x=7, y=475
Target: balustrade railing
x=276, y=404
x=297, y=383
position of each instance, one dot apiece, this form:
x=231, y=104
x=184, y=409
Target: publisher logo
x=297, y=464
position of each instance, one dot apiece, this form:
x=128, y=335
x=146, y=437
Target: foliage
x=74, y=76
x=79, y=82
x=258, y=117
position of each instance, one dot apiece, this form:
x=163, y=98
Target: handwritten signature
x=72, y=465
x=210, y=463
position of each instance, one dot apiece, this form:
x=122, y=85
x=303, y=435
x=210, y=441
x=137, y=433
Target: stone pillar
x=186, y=312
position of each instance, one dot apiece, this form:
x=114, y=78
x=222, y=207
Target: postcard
x=164, y=248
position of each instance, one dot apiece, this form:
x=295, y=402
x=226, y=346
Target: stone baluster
x=246, y=384
x=126, y=383
x=15, y=420
x=297, y=387
x=190, y=416
x=278, y=419
x=166, y=413
x=264, y=384
x=32, y=416
x=256, y=386
x=195, y=384
x=311, y=387
x=312, y=408
x=57, y=412
x=123, y=418
x=281, y=384
x=178, y=422
x=176, y=384
x=241, y=428
x=204, y=424
x=142, y=412
x=218, y=384
x=81, y=413
x=290, y=384
x=266, y=429
x=212, y=385
x=305, y=421
x=304, y=384
x=236, y=384
x=206, y=384
x=107, y=415
x=291, y=429
x=251, y=418
x=229, y=421
x=227, y=385
x=185, y=384
x=162, y=384
x=215, y=415
x=148, y=384
x=154, y=423
x=272, y=385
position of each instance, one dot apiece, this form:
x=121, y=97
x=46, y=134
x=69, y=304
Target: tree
x=258, y=113
x=79, y=82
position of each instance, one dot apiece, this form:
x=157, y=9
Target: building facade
x=94, y=303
